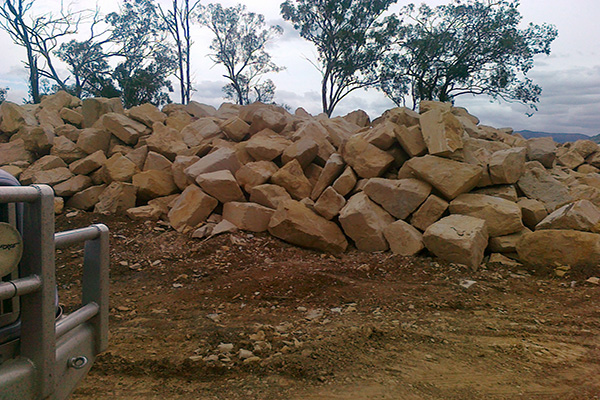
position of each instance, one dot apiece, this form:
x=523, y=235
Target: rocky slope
x=403, y=182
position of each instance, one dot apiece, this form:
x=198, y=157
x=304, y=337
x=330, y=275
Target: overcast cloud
x=570, y=77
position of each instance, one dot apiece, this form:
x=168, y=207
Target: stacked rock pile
x=405, y=181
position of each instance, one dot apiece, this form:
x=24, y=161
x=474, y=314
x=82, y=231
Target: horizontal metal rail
x=13, y=194
x=20, y=287
x=68, y=238
x=76, y=318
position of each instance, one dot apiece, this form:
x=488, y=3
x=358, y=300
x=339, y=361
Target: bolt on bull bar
x=50, y=355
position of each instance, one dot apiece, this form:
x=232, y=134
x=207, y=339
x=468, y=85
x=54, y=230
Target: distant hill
x=559, y=137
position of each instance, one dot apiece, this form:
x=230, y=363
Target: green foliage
x=3, y=92
x=465, y=47
x=139, y=38
x=239, y=45
x=350, y=40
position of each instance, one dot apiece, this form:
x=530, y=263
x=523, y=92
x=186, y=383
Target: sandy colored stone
x=441, y=131
x=119, y=168
x=49, y=118
x=402, y=116
x=269, y=195
x=14, y=151
x=71, y=116
x=200, y=131
x=508, y=192
x=138, y=156
x=72, y=185
x=569, y=248
x=383, y=135
x=291, y=177
x=571, y=159
x=458, y=238
x=93, y=108
x=267, y=117
x=66, y=149
x=329, y=203
x=116, y=198
x=399, y=197
x=293, y=222
x=533, y=211
x=536, y=183
x=235, y=129
x=403, y=238
x=88, y=164
x=52, y=176
x=364, y=221
x=59, y=205
x=267, y=146
x=581, y=215
x=156, y=161
x=166, y=141
x=585, y=148
x=411, y=140
x=43, y=164
x=248, y=216
x=543, y=150
x=332, y=170
x=320, y=135
x=222, y=186
x=126, y=129
x=429, y=212
x=91, y=140
x=148, y=114
x=200, y=110
x=144, y=213
x=220, y=159
x=345, y=182
x=87, y=198
x=507, y=166
x=507, y=243
x=14, y=117
x=191, y=209
x=304, y=150
x=366, y=160
x=451, y=178
x=38, y=139
x=151, y=184
x=179, y=120
x=502, y=217
x=177, y=170
x=255, y=173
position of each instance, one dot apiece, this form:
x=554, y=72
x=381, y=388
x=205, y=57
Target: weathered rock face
x=221, y=185
x=533, y=211
x=14, y=117
x=304, y=150
x=451, y=178
x=345, y=182
x=441, y=131
x=399, y=197
x=94, y=108
x=502, y=217
x=403, y=238
x=191, y=208
x=292, y=178
x=542, y=150
x=14, y=151
x=248, y=216
x=118, y=197
x=364, y=221
x=126, y=129
x=223, y=158
x=269, y=195
x=332, y=170
x=430, y=211
x=507, y=166
x=538, y=184
x=267, y=146
x=154, y=183
x=329, y=203
x=255, y=173
x=296, y=224
x=86, y=199
x=569, y=248
x=119, y=168
x=581, y=215
x=458, y=238
x=73, y=185
x=365, y=159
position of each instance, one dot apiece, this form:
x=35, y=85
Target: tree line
x=472, y=47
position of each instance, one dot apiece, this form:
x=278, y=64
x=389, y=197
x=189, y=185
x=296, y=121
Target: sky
x=569, y=77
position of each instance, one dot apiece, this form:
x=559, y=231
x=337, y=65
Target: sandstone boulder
x=166, y=141
x=200, y=110
x=581, y=215
x=248, y=216
x=292, y=178
x=411, y=140
x=220, y=159
x=72, y=186
x=14, y=117
x=200, y=131
x=266, y=146
x=403, y=238
x=364, y=221
x=126, y=129
x=366, y=160
x=94, y=108
x=304, y=150
x=533, y=211
x=442, y=132
x=507, y=192
x=506, y=244
x=329, y=203
x=91, y=140
x=458, y=238
x=157, y=162
x=502, y=217
x=332, y=170
x=87, y=198
x=148, y=114
x=43, y=164
x=568, y=248
x=255, y=173
x=293, y=222
x=119, y=168
x=154, y=183
x=571, y=159
x=67, y=150
x=14, y=151
x=543, y=150
x=399, y=197
x=177, y=170
x=52, y=177
x=429, y=212
x=507, y=166
x=536, y=183
x=191, y=208
x=71, y=117
x=345, y=182
x=235, y=129
x=383, y=136
x=222, y=186
x=116, y=198
x=269, y=195
x=88, y=164
x=451, y=178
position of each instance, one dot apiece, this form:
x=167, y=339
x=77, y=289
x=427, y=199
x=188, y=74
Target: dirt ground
x=185, y=315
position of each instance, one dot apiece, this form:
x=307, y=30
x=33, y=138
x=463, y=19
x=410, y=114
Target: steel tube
x=76, y=318
x=20, y=287
x=13, y=194
x=68, y=238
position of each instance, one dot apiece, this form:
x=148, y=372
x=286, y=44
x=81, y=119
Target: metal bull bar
x=53, y=354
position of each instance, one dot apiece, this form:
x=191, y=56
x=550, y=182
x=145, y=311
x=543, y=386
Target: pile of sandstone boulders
x=403, y=182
